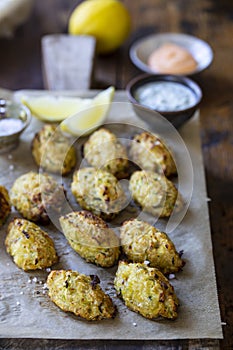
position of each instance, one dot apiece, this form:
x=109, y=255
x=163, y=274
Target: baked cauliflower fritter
x=91, y=238
x=149, y=152
x=146, y=290
x=104, y=151
x=143, y=242
x=5, y=207
x=99, y=192
x=32, y=193
x=52, y=150
x=154, y=193
x=30, y=247
x=80, y=294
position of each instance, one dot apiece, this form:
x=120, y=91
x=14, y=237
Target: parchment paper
x=27, y=311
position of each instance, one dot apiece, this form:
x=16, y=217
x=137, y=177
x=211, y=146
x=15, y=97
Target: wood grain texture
x=211, y=20
x=44, y=344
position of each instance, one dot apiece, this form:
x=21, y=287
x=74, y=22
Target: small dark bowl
x=149, y=115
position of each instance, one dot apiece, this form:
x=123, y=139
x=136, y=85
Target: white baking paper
x=27, y=311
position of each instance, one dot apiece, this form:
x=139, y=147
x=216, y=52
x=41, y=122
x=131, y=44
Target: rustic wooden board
x=208, y=19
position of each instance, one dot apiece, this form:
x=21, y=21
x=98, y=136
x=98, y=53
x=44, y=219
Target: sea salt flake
x=146, y=262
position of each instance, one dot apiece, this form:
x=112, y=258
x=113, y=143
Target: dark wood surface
x=211, y=20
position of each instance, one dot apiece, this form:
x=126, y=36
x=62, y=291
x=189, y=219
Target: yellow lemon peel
x=107, y=20
x=87, y=120
x=50, y=108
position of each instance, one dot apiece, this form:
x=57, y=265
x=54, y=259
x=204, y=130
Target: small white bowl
x=9, y=110
x=199, y=49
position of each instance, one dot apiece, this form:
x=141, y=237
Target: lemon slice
x=57, y=108
x=88, y=119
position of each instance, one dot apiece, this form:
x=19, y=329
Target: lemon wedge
x=87, y=120
x=52, y=108
x=57, y=108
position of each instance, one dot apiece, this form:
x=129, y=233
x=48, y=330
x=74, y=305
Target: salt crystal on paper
x=146, y=262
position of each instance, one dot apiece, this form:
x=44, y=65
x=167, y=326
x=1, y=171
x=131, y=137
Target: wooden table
x=211, y=20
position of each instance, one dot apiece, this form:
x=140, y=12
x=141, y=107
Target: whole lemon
x=107, y=20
